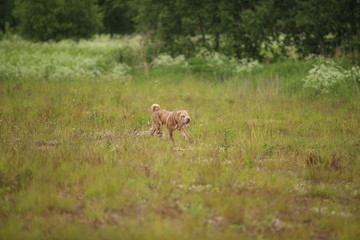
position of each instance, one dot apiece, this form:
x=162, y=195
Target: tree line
x=237, y=28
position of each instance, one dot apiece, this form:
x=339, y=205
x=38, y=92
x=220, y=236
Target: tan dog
x=173, y=120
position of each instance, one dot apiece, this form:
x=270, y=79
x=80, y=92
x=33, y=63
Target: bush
x=21, y=59
x=128, y=56
x=326, y=76
x=167, y=60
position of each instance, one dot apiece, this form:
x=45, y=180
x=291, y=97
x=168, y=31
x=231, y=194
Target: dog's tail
x=155, y=107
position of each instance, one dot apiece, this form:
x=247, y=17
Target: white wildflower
x=324, y=76
x=64, y=60
x=120, y=70
x=247, y=65
x=167, y=60
x=218, y=60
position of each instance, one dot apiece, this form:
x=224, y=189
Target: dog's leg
x=159, y=133
x=183, y=132
x=152, y=130
x=156, y=126
x=171, y=135
x=158, y=129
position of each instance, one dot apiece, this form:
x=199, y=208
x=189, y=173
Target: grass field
x=264, y=161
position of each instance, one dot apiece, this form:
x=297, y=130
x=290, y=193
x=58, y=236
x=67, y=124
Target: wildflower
x=324, y=76
x=167, y=60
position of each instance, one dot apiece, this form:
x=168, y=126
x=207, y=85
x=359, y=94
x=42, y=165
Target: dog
x=177, y=120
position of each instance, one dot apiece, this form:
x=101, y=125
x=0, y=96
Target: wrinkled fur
x=176, y=120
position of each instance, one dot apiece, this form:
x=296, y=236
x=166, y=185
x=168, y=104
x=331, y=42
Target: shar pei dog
x=177, y=120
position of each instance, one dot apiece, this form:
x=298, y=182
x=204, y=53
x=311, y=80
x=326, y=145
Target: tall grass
x=263, y=160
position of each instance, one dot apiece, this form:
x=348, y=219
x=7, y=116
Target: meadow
x=268, y=157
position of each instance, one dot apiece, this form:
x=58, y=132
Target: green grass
x=77, y=161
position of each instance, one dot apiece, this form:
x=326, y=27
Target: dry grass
x=77, y=162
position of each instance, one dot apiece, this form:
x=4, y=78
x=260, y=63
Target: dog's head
x=183, y=118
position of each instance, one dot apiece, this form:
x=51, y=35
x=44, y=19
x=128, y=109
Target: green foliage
x=62, y=60
x=265, y=30
x=118, y=16
x=319, y=27
x=121, y=58
x=248, y=29
x=6, y=18
x=327, y=76
x=129, y=56
x=61, y=19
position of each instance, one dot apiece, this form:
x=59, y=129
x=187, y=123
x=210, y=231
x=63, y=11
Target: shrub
x=167, y=60
x=128, y=56
x=325, y=75
x=231, y=65
x=55, y=61
x=209, y=62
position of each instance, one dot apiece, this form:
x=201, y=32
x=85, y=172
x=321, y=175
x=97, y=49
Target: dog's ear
x=177, y=116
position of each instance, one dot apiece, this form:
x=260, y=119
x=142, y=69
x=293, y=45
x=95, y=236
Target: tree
x=118, y=16
x=6, y=18
x=232, y=27
x=58, y=19
x=319, y=26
